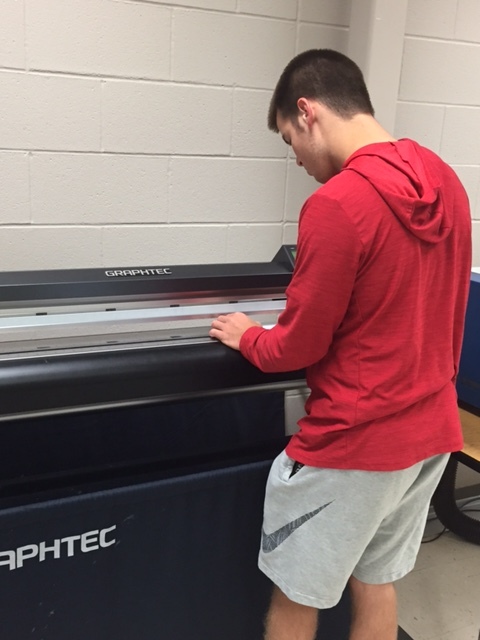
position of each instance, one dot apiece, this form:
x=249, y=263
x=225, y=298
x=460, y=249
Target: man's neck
x=344, y=137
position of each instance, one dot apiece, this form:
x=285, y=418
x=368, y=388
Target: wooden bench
x=444, y=501
x=470, y=454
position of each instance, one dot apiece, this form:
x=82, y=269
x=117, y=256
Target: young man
x=375, y=313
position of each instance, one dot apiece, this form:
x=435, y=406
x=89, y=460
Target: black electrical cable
x=446, y=508
x=463, y=509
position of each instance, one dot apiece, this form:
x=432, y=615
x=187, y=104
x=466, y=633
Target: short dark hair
x=324, y=75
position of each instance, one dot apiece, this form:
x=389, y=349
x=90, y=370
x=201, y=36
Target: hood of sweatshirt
x=402, y=172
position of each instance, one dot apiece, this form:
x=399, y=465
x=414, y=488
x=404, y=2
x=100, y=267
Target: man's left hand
x=229, y=329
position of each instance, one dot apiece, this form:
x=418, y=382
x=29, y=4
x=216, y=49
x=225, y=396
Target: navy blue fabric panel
x=158, y=435
x=468, y=381
x=178, y=562
x=182, y=565
x=171, y=559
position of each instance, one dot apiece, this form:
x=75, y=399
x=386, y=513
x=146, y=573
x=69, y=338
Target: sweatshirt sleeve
x=317, y=298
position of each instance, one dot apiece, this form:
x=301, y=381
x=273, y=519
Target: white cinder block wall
x=134, y=132
x=439, y=97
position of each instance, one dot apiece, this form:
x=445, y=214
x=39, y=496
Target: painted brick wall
x=133, y=132
x=439, y=98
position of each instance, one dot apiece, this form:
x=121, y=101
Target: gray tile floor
x=440, y=598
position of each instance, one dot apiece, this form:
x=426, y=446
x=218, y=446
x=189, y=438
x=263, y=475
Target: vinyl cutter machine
x=74, y=340
x=134, y=453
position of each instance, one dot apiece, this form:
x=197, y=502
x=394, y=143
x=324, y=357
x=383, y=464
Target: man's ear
x=305, y=110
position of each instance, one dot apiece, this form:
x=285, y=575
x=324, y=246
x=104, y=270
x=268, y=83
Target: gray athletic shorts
x=322, y=526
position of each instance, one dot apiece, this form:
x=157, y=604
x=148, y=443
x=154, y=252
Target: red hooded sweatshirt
x=375, y=312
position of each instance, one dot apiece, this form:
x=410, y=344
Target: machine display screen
x=291, y=253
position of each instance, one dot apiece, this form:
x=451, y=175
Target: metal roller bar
x=131, y=315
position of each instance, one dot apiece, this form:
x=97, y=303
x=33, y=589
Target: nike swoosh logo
x=270, y=541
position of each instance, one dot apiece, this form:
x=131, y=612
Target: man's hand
x=229, y=329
